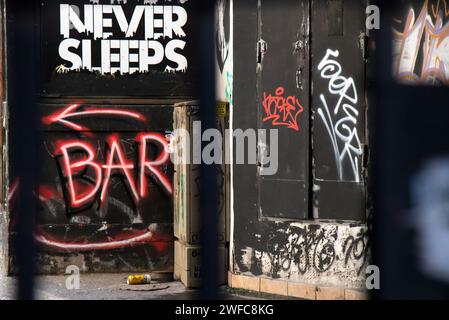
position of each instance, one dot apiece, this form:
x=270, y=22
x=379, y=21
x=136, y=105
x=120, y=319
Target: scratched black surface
x=285, y=194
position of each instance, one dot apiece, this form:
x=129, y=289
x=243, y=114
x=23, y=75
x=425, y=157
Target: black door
x=283, y=89
x=311, y=86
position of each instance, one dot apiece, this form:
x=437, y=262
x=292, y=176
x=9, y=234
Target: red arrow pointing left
x=71, y=112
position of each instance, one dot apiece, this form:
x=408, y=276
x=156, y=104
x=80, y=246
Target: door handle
x=301, y=50
x=300, y=46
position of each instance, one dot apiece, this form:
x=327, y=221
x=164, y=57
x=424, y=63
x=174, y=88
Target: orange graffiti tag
x=282, y=111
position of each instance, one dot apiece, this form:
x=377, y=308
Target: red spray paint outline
x=124, y=166
x=68, y=167
x=63, y=147
x=46, y=241
x=69, y=112
x=151, y=165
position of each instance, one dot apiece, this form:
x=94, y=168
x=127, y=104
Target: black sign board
x=116, y=48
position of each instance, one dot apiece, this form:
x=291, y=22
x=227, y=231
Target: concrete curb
x=294, y=289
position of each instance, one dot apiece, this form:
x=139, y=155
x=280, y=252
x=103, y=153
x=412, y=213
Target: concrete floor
x=93, y=287
x=111, y=287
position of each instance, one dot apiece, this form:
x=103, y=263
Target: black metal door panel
x=338, y=104
x=283, y=69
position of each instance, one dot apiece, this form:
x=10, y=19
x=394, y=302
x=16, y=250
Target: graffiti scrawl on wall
x=300, y=251
x=421, y=44
x=282, y=110
x=124, y=37
x=341, y=120
x=105, y=189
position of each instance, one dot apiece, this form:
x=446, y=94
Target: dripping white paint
x=162, y=28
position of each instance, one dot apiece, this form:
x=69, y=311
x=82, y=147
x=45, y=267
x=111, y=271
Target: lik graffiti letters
x=282, y=110
x=421, y=46
x=440, y=6
x=341, y=120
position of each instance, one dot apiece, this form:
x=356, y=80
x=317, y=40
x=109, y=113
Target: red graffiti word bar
x=82, y=194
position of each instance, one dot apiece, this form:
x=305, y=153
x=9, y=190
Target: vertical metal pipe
x=209, y=193
x=23, y=77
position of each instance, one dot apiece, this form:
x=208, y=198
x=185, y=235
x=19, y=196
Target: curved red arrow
x=143, y=237
x=71, y=112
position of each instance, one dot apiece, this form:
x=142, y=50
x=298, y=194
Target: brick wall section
x=273, y=286
x=294, y=289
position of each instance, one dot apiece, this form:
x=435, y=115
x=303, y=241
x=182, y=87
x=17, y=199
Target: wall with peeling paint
x=324, y=254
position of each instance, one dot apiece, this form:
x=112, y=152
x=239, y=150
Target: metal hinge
x=4, y=114
x=300, y=46
x=300, y=49
x=362, y=44
x=365, y=156
x=262, y=48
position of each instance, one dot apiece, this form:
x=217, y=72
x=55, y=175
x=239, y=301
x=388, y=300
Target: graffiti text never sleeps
x=120, y=51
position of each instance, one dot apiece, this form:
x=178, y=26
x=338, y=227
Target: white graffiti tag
x=342, y=125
